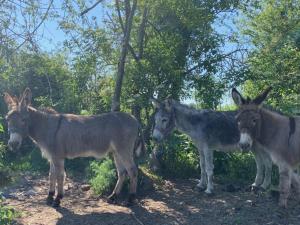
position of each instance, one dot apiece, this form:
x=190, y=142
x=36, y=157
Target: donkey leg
x=60, y=177
x=296, y=183
x=268, y=170
x=285, y=175
x=203, y=180
x=259, y=169
x=121, y=177
x=209, y=168
x=132, y=172
x=52, y=182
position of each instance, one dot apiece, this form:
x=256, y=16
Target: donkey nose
x=244, y=146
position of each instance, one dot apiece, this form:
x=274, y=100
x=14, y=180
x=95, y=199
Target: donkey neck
x=40, y=125
x=271, y=126
x=184, y=118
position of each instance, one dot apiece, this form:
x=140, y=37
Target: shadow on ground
x=173, y=202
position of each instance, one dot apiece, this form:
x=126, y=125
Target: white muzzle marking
x=245, y=139
x=157, y=134
x=15, y=140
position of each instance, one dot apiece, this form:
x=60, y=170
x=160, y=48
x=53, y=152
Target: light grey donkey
x=61, y=136
x=276, y=133
x=209, y=130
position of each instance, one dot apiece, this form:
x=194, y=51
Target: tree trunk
x=125, y=45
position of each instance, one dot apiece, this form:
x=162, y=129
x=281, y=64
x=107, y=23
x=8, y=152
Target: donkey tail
x=139, y=146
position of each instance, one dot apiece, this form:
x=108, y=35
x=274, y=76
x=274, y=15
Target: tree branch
x=29, y=35
x=219, y=58
x=119, y=16
x=141, y=34
x=90, y=8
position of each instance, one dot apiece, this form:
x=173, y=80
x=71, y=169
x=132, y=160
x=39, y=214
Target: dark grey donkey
x=276, y=133
x=209, y=130
x=61, y=136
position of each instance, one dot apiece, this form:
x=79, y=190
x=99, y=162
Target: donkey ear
x=237, y=97
x=10, y=102
x=155, y=103
x=260, y=98
x=26, y=98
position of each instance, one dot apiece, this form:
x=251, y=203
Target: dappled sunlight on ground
x=173, y=202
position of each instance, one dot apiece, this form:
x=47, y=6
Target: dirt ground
x=170, y=202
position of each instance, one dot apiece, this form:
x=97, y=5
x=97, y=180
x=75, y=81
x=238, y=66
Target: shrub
x=102, y=176
x=180, y=157
x=7, y=214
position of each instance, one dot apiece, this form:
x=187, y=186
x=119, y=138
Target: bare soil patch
x=172, y=202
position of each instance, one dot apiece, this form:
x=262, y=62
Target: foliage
x=183, y=54
x=103, y=176
x=7, y=214
x=272, y=27
x=179, y=157
x=241, y=166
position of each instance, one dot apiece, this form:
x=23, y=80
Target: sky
x=51, y=37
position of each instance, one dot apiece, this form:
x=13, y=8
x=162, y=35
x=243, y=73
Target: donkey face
x=17, y=118
x=164, y=119
x=249, y=117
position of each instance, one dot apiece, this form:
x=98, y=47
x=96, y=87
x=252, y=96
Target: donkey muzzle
x=245, y=142
x=245, y=146
x=15, y=141
x=157, y=135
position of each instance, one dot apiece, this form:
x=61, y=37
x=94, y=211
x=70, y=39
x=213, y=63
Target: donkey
x=276, y=133
x=209, y=130
x=61, y=136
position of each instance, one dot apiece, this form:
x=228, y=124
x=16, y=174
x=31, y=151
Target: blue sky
x=52, y=37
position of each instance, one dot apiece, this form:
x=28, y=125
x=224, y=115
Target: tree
x=126, y=28
x=20, y=22
x=273, y=29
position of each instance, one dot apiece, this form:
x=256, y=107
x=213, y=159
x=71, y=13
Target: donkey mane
x=189, y=110
x=49, y=110
x=273, y=109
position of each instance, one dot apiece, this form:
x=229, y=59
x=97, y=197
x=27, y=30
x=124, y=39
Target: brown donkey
x=62, y=136
x=276, y=133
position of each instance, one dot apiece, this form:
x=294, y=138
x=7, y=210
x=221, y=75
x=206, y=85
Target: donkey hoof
x=131, y=199
x=200, y=188
x=49, y=200
x=56, y=203
x=254, y=189
x=112, y=199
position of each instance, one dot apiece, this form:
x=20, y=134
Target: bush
x=241, y=166
x=7, y=214
x=180, y=157
x=103, y=176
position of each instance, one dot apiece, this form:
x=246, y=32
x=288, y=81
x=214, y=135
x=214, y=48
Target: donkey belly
x=226, y=148
x=86, y=153
x=91, y=148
